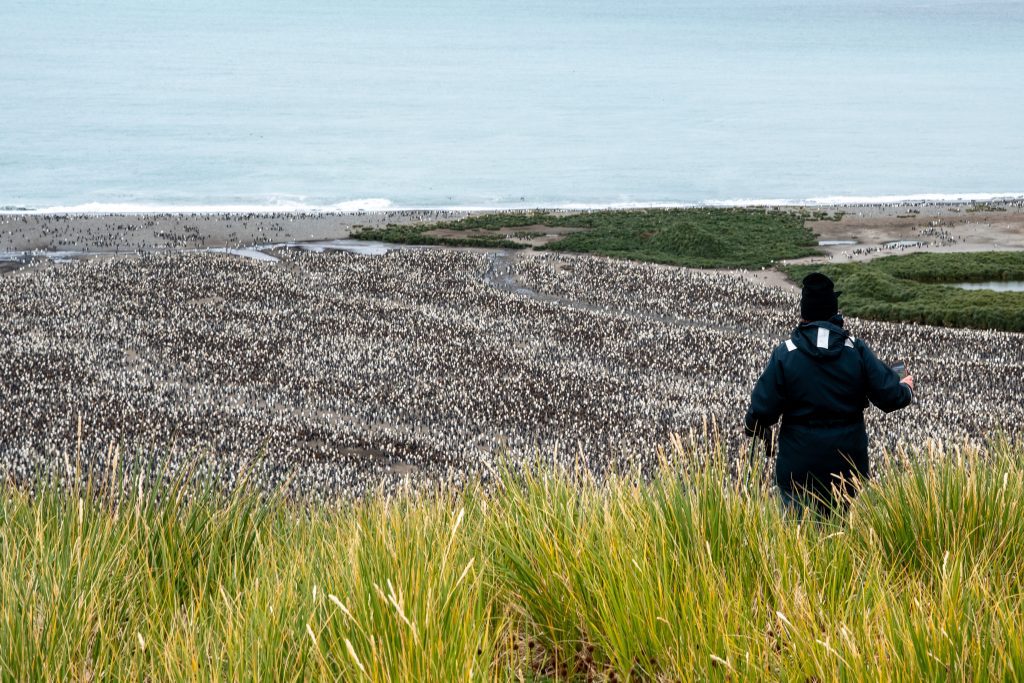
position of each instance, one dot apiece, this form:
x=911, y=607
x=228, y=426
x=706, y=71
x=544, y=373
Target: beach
x=151, y=232
x=342, y=371
x=876, y=229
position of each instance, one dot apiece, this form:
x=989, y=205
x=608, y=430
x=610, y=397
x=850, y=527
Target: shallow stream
x=997, y=286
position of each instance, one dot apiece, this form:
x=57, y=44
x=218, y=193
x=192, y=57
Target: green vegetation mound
x=692, y=574
x=734, y=238
x=914, y=288
x=704, y=237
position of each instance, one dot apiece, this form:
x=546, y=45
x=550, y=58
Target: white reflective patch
x=852, y=339
x=790, y=345
x=822, y=338
x=849, y=342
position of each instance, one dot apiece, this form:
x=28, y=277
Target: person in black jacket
x=819, y=381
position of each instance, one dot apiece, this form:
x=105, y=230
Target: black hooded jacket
x=819, y=381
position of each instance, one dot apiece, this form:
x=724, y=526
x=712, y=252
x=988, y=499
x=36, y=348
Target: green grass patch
x=692, y=574
x=416, y=234
x=914, y=288
x=699, y=237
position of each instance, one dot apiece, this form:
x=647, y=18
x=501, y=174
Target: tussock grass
x=699, y=237
x=915, y=288
x=690, y=573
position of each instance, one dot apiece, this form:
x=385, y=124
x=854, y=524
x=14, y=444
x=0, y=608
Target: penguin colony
x=137, y=233
x=334, y=376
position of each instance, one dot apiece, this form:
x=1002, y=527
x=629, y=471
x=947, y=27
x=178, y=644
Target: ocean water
x=437, y=103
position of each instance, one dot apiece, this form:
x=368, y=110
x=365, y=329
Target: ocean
x=219, y=104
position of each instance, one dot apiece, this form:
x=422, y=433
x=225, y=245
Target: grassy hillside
x=691, y=575
x=911, y=288
x=699, y=237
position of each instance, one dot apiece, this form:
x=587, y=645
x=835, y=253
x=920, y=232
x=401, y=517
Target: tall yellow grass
x=693, y=573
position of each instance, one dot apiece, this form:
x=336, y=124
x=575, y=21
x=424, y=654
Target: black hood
x=821, y=339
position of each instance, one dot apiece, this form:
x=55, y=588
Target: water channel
x=997, y=286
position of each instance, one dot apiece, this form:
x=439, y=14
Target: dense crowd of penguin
x=338, y=375
x=138, y=233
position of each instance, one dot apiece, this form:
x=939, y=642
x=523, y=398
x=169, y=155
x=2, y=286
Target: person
x=819, y=381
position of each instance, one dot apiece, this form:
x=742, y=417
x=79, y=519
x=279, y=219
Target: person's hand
x=909, y=381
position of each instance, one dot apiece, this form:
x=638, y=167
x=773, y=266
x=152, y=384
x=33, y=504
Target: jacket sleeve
x=884, y=388
x=767, y=400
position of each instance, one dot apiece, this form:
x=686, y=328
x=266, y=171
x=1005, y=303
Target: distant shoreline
x=380, y=205
x=864, y=231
